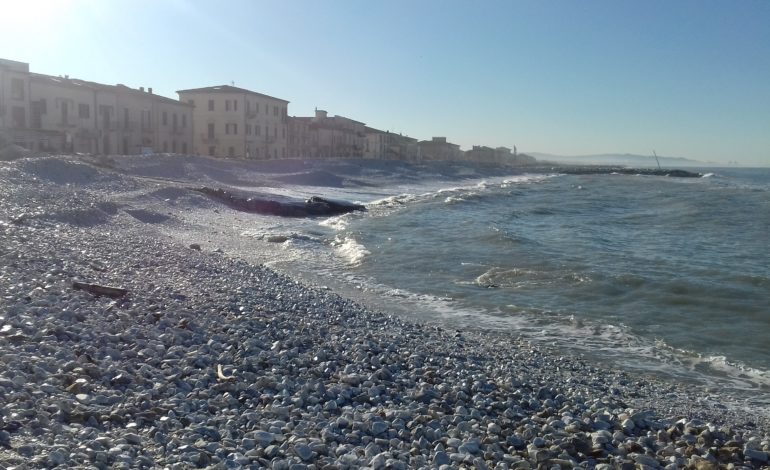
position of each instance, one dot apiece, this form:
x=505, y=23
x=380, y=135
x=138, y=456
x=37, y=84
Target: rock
x=756, y=455
x=644, y=459
x=441, y=458
x=303, y=451
x=195, y=246
x=378, y=427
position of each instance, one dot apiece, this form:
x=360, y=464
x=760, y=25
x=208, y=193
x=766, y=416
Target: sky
x=687, y=78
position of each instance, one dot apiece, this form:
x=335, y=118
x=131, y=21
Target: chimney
x=141, y=88
x=149, y=90
x=67, y=77
x=319, y=113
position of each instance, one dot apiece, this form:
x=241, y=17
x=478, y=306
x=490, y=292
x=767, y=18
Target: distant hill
x=626, y=159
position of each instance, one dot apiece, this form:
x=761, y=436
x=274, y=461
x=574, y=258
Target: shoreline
x=211, y=360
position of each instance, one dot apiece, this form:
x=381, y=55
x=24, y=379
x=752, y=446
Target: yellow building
x=324, y=136
x=66, y=115
x=386, y=145
x=439, y=149
x=235, y=122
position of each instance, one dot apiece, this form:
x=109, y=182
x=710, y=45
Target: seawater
x=669, y=276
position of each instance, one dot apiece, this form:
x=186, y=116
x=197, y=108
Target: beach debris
x=98, y=290
x=221, y=374
x=195, y=246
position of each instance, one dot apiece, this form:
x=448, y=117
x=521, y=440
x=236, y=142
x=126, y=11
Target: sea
x=656, y=275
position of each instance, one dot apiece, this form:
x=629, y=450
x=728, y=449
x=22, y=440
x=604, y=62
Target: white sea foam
x=350, y=249
x=337, y=223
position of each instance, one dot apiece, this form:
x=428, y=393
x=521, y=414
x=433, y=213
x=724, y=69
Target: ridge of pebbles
x=211, y=362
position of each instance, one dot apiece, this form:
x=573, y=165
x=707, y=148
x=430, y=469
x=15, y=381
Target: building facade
x=324, y=136
x=439, y=149
x=235, y=122
x=63, y=115
x=386, y=145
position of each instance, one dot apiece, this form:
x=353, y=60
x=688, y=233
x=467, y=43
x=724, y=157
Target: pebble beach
x=212, y=360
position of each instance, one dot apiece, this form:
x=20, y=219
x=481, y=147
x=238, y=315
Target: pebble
x=311, y=379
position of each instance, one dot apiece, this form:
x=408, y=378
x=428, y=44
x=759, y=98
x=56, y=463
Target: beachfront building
x=67, y=115
x=234, y=122
x=482, y=154
x=498, y=156
x=439, y=149
x=14, y=102
x=386, y=145
x=324, y=136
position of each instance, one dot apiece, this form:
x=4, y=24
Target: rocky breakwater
x=210, y=362
x=312, y=207
x=619, y=170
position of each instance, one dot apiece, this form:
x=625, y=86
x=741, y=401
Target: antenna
x=656, y=159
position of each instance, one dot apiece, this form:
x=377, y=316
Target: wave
x=517, y=278
x=350, y=249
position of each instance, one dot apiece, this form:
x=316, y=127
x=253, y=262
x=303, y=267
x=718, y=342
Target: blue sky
x=687, y=78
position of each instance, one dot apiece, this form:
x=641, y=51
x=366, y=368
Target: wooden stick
x=96, y=289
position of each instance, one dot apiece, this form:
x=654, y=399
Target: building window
x=184, y=148
x=231, y=152
x=173, y=146
x=211, y=105
x=17, y=89
x=275, y=110
x=174, y=121
x=248, y=129
x=84, y=111
x=165, y=147
x=211, y=131
x=19, y=115
x=64, y=113
x=275, y=132
x=36, y=111
x=235, y=129
x=283, y=133
x=192, y=102
x=164, y=118
x=235, y=105
x=212, y=151
x=184, y=121
x=257, y=130
x=227, y=105
x=125, y=118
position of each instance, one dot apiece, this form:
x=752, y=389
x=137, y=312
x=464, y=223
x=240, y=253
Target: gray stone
x=756, y=455
x=441, y=458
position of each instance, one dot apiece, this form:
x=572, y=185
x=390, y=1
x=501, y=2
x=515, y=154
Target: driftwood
x=96, y=289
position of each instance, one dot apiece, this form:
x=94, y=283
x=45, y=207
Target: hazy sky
x=687, y=78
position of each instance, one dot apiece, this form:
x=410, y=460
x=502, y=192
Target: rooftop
x=229, y=89
x=120, y=88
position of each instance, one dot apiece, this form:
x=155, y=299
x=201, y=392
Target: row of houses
x=61, y=114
